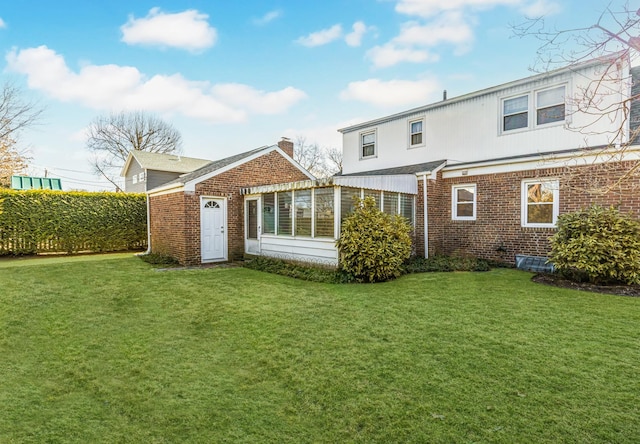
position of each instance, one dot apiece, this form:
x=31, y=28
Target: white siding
x=469, y=130
x=317, y=251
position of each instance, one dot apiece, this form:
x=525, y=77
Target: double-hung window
x=463, y=202
x=515, y=113
x=415, y=133
x=550, y=105
x=368, y=144
x=540, y=203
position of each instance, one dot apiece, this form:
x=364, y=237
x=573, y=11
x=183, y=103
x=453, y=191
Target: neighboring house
x=201, y=216
x=35, y=183
x=144, y=171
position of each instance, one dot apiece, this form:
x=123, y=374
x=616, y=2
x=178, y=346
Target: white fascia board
x=540, y=161
x=191, y=185
x=166, y=189
x=431, y=174
x=399, y=183
x=123, y=172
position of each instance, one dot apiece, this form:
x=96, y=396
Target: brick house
x=200, y=216
x=483, y=174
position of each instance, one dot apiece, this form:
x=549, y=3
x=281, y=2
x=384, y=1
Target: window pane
x=375, y=195
x=540, y=192
x=368, y=138
x=268, y=213
x=551, y=114
x=406, y=207
x=284, y=213
x=302, y=202
x=416, y=127
x=390, y=203
x=516, y=105
x=516, y=121
x=550, y=97
x=416, y=139
x=324, y=212
x=464, y=209
x=464, y=195
x=540, y=213
x=368, y=150
x=252, y=219
x=347, y=201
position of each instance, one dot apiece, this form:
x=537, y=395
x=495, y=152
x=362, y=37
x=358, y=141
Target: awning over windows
x=399, y=183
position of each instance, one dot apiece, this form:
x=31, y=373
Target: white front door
x=212, y=232
x=252, y=226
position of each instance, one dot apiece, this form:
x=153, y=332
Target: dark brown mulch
x=559, y=281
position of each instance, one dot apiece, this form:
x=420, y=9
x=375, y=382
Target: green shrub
x=299, y=271
x=446, y=263
x=158, y=260
x=39, y=221
x=373, y=245
x=597, y=245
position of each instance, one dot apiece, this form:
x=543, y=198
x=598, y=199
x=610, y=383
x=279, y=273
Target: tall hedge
x=42, y=221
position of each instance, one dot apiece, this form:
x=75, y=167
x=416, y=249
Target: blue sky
x=232, y=76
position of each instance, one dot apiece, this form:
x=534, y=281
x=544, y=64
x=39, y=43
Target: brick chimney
x=286, y=145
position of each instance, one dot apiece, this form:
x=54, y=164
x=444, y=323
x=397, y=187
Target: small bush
x=446, y=263
x=158, y=260
x=597, y=245
x=298, y=270
x=373, y=245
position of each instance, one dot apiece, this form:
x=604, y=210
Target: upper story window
x=141, y=177
x=547, y=105
x=463, y=202
x=540, y=203
x=368, y=144
x=550, y=105
x=134, y=178
x=515, y=113
x=415, y=133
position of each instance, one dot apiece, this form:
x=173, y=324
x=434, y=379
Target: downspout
x=426, y=216
x=148, y=227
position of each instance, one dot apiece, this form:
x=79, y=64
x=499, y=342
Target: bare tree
x=110, y=138
x=612, y=39
x=321, y=162
x=12, y=161
x=16, y=114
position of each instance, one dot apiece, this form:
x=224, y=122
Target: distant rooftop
x=168, y=162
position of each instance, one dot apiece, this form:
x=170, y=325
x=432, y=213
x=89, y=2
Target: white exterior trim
x=524, y=202
x=454, y=201
x=540, y=161
x=166, y=189
x=426, y=215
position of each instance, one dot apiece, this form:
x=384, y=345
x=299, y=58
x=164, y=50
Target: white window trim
x=535, y=107
x=524, y=202
x=142, y=177
x=532, y=99
x=411, y=122
x=375, y=144
x=454, y=201
x=134, y=179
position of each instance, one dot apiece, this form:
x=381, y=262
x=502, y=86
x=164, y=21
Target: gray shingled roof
x=168, y=162
x=216, y=165
x=407, y=169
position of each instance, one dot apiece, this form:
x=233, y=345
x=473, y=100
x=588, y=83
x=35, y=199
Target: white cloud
x=2, y=24
x=447, y=28
x=354, y=38
x=186, y=30
x=541, y=8
x=390, y=54
x=322, y=37
x=390, y=93
x=428, y=8
x=267, y=18
x=113, y=87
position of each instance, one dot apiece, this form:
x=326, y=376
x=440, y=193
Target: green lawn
x=106, y=349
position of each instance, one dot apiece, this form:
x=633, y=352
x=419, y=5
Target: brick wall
x=497, y=233
x=175, y=218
